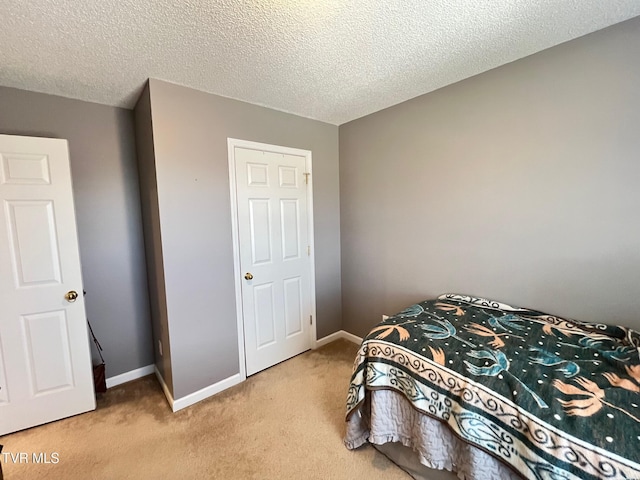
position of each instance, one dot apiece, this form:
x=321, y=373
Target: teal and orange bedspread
x=552, y=398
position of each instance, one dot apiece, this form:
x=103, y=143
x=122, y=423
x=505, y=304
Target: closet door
x=275, y=254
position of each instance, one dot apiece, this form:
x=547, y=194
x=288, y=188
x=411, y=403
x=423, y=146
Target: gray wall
x=190, y=131
x=520, y=184
x=105, y=187
x=152, y=236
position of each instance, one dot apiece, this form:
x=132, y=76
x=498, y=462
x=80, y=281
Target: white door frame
x=231, y=144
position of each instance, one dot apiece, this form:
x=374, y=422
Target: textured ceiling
x=332, y=60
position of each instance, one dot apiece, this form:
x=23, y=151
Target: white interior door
x=45, y=362
x=275, y=255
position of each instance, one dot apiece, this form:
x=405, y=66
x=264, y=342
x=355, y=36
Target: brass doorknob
x=71, y=296
x=248, y=276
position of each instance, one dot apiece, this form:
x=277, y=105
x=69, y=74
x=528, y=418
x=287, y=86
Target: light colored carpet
x=286, y=422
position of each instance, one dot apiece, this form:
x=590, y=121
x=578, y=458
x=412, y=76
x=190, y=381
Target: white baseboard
x=328, y=339
x=195, y=397
x=206, y=392
x=129, y=376
x=351, y=337
x=340, y=334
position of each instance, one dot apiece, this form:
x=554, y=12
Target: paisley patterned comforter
x=552, y=398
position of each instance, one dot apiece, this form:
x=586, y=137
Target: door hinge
x=310, y=319
x=308, y=250
x=306, y=178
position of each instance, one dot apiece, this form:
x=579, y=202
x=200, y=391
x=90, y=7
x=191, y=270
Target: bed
x=487, y=390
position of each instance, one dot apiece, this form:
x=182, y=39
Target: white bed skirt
x=387, y=416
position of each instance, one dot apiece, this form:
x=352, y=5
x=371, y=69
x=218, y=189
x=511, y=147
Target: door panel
x=257, y=175
x=288, y=177
x=260, y=218
x=264, y=315
x=25, y=169
x=47, y=351
x=35, y=257
x=290, y=224
x=274, y=240
x=45, y=361
x=293, y=305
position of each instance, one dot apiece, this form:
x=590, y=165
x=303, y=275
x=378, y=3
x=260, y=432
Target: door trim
x=231, y=144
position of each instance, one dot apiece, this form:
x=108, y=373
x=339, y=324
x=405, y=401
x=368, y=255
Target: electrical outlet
x=160, y=347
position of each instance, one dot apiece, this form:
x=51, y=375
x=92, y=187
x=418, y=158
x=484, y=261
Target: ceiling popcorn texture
x=331, y=60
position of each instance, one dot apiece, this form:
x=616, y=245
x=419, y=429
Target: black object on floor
x=99, y=371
